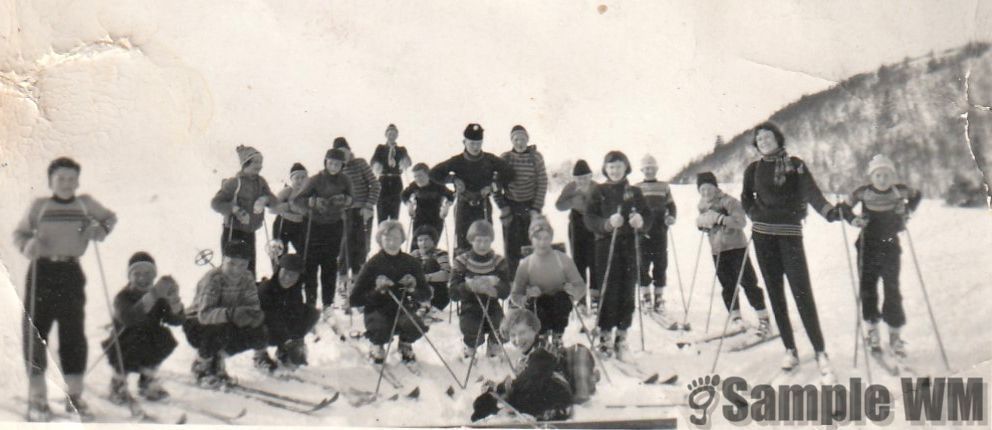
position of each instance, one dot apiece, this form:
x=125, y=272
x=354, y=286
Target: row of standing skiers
x=327, y=216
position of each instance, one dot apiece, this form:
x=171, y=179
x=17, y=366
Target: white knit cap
x=880, y=162
x=648, y=161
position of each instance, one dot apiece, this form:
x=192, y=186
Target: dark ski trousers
x=515, y=233
x=356, y=247
x=654, y=255
x=473, y=323
x=290, y=232
x=465, y=215
x=780, y=257
x=552, y=310
x=378, y=323
x=229, y=234
x=210, y=339
x=324, y=248
x=59, y=296
x=583, y=244
x=880, y=259
x=728, y=269
x=440, y=299
x=290, y=324
x=616, y=304
x=141, y=348
x=388, y=206
x=435, y=222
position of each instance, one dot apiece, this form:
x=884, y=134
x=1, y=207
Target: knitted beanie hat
x=140, y=258
x=473, y=132
x=649, y=161
x=581, y=168
x=706, y=178
x=340, y=142
x=246, y=154
x=880, y=161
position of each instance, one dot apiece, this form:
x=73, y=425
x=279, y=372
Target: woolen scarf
x=782, y=165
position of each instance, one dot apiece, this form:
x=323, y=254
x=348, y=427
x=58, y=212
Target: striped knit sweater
x=364, y=186
x=242, y=191
x=530, y=178
x=469, y=265
x=216, y=293
x=59, y=224
x=659, y=198
x=435, y=264
x=885, y=210
x=778, y=210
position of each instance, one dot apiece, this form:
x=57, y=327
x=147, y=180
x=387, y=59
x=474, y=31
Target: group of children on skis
x=326, y=218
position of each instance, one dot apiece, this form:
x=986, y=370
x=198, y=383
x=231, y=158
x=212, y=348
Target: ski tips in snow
x=415, y=394
x=656, y=379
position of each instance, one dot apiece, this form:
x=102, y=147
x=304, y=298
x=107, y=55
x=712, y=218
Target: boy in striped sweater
x=523, y=197
x=54, y=233
x=358, y=220
x=436, y=266
x=479, y=280
x=242, y=200
x=885, y=208
x=654, y=241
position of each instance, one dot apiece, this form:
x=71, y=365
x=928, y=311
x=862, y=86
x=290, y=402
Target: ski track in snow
x=952, y=245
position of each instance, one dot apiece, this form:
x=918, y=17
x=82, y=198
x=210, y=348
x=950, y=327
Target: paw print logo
x=702, y=397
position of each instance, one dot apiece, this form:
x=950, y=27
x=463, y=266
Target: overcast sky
x=584, y=77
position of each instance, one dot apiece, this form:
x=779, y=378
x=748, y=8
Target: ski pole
x=416, y=325
x=475, y=349
x=733, y=301
x=692, y=283
x=716, y=271
x=588, y=334
x=637, y=301
x=606, y=273
x=110, y=309
x=494, y=332
x=30, y=329
x=678, y=273
x=389, y=344
x=858, y=332
x=926, y=299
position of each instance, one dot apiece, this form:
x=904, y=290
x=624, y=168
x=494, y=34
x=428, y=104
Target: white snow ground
x=952, y=246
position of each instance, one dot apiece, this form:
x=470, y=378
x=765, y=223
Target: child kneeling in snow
x=390, y=276
x=226, y=317
x=885, y=208
x=140, y=309
x=550, y=382
x=287, y=318
x=547, y=282
x=479, y=280
x=437, y=268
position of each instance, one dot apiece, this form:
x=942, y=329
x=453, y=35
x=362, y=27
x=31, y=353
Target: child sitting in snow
x=140, y=310
x=551, y=380
x=885, y=207
x=388, y=276
x=437, y=268
x=479, y=280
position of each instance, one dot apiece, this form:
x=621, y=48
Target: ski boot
x=605, y=345
x=263, y=362
x=790, y=360
x=327, y=314
x=764, y=325
x=736, y=322
x=827, y=376
x=493, y=347
x=297, y=352
x=620, y=347
x=118, y=390
x=74, y=404
x=204, y=370
x=377, y=353
x=150, y=388
x=896, y=344
x=38, y=411
x=406, y=352
x=872, y=338
x=467, y=353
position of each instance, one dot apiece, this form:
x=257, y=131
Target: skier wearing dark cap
x=574, y=198
x=287, y=318
x=289, y=227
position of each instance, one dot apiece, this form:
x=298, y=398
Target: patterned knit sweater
x=885, y=210
x=242, y=191
x=61, y=224
x=216, y=293
x=364, y=186
x=659, y=197
x=469, y=265
x=530, y=178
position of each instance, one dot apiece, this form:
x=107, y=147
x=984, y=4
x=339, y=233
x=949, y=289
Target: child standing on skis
x=358, y=219
x=428, y=201
x=654, y=242
x=287, y=318
x=242, y=200
x=479, y=280
x=885, y=208
x=722, y=218
x=436, y=267
x=617, y=212
x=574, y=198
x=777, y=189
x=551, y=381
x=523, y=198
x=388, y=163
x=548, y=282
x=226, y=317
x=140, y=310
x=390, y=276
x=290, y=226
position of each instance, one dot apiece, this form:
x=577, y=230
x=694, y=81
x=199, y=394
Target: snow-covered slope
x=951, y=246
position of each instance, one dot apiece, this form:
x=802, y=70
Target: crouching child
x=392, y=276
x=436, y=266
x=551, y=380
x=226, y=317
x=287, y=318
x=140, y=310
x=479, y=280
